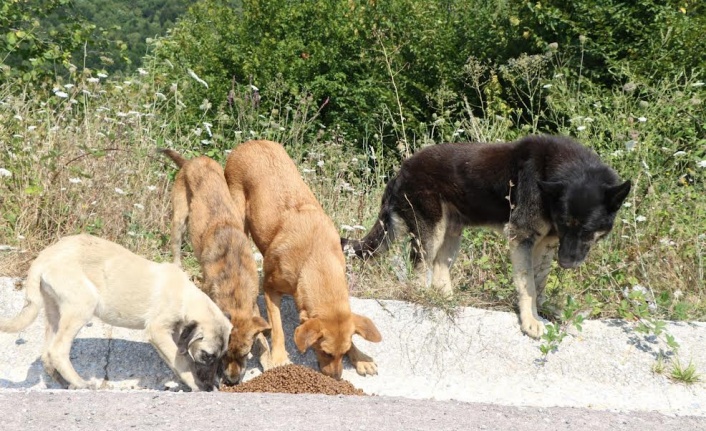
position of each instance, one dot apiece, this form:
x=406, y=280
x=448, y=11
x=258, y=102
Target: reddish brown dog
x=302, y=258
x=200, y=194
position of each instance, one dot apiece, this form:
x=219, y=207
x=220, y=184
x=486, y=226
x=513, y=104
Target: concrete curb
x=474, y=356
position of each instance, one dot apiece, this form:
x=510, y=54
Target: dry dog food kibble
x=295, y=379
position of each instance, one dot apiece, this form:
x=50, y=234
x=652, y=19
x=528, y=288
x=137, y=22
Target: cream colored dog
x=200, y=194
x=83, y=276
x=302, y=257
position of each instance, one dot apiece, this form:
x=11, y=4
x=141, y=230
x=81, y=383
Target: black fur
x=541, y=190
x=531, y=183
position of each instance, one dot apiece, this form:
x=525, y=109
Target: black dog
x=542, y=190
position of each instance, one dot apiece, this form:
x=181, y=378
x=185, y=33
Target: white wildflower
x=131, y=233
x=347, y=227
x=75, y=180
x=68, y=86
x=679, y=153
x=639, y=288
x=307, y=171
x=61, y=94
x=119, y=191
x=208, y=128
x=702, y=164
x=640, y=218
x=18, y=117
x=254, y=88
x=627, y=204
x=142, y=71
x=5, y=173
x=31, y=128
x=642, y=119
x=139, y=206
x=547, y=86
x=160, y=96
x=151, y=188
x=196, y=77
x=581, y=128
x=698, y=84
x=93, y=80
x=102, y=75
x=320, y=163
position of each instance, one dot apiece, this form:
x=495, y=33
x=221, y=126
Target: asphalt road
x=149, y=410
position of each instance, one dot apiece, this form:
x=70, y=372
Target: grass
x=686, y=375
x=86, y=163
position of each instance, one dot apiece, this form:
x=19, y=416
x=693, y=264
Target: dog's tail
x=382, y=234
x=32, y=306
x=176, y=157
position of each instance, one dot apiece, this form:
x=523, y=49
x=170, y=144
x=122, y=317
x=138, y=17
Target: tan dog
x=83, y=276
x=302, y=258
x=200, y=194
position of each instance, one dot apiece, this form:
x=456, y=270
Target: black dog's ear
x=615, y=195
x=552, y=189
x=185, y=338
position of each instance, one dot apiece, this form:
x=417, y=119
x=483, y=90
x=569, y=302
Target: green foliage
x=29, y=51
x=125, y=28
x=659, y=38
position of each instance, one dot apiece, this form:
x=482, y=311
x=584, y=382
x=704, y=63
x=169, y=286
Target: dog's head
x=205, y=343
x=582, y=212
x=245, y=328
x=331, y=339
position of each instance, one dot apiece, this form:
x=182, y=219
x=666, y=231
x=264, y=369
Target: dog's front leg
x=161, y=339
x=278, y=354
x=523, y=277
x=364, y=364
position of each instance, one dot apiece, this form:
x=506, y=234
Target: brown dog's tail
x=31, y=308
x=383, y=233
x=176, y=157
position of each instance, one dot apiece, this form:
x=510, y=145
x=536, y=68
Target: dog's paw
x=366, y=368
x=533, y=327
x=83, y=385
x=274, y=362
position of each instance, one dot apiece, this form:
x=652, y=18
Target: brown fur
x=302, y=257
x=200, y=194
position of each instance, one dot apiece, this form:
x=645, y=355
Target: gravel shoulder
x=476, y=356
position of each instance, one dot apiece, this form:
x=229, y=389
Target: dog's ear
x=366, y=328
x=615, y=195
x=307, y=334
x=260, y=325
x=552, y=189
x=188, y=335
x=228, y=316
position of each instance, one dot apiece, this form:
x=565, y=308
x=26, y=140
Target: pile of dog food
x=295, y=379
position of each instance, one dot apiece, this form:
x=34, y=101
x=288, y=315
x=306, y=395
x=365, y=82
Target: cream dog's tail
x=31, y=308
x=176, y=157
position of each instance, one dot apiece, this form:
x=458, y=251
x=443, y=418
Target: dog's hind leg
x=51, y=326
x=446, y=255
x=72, y=318
x=364, y=364
x=180, y=215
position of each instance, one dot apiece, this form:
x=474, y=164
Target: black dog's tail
x=382, y=234
x=176, y=157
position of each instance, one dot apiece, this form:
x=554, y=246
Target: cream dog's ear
x=366, y=328
x=188, y=335
x=307, y=334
